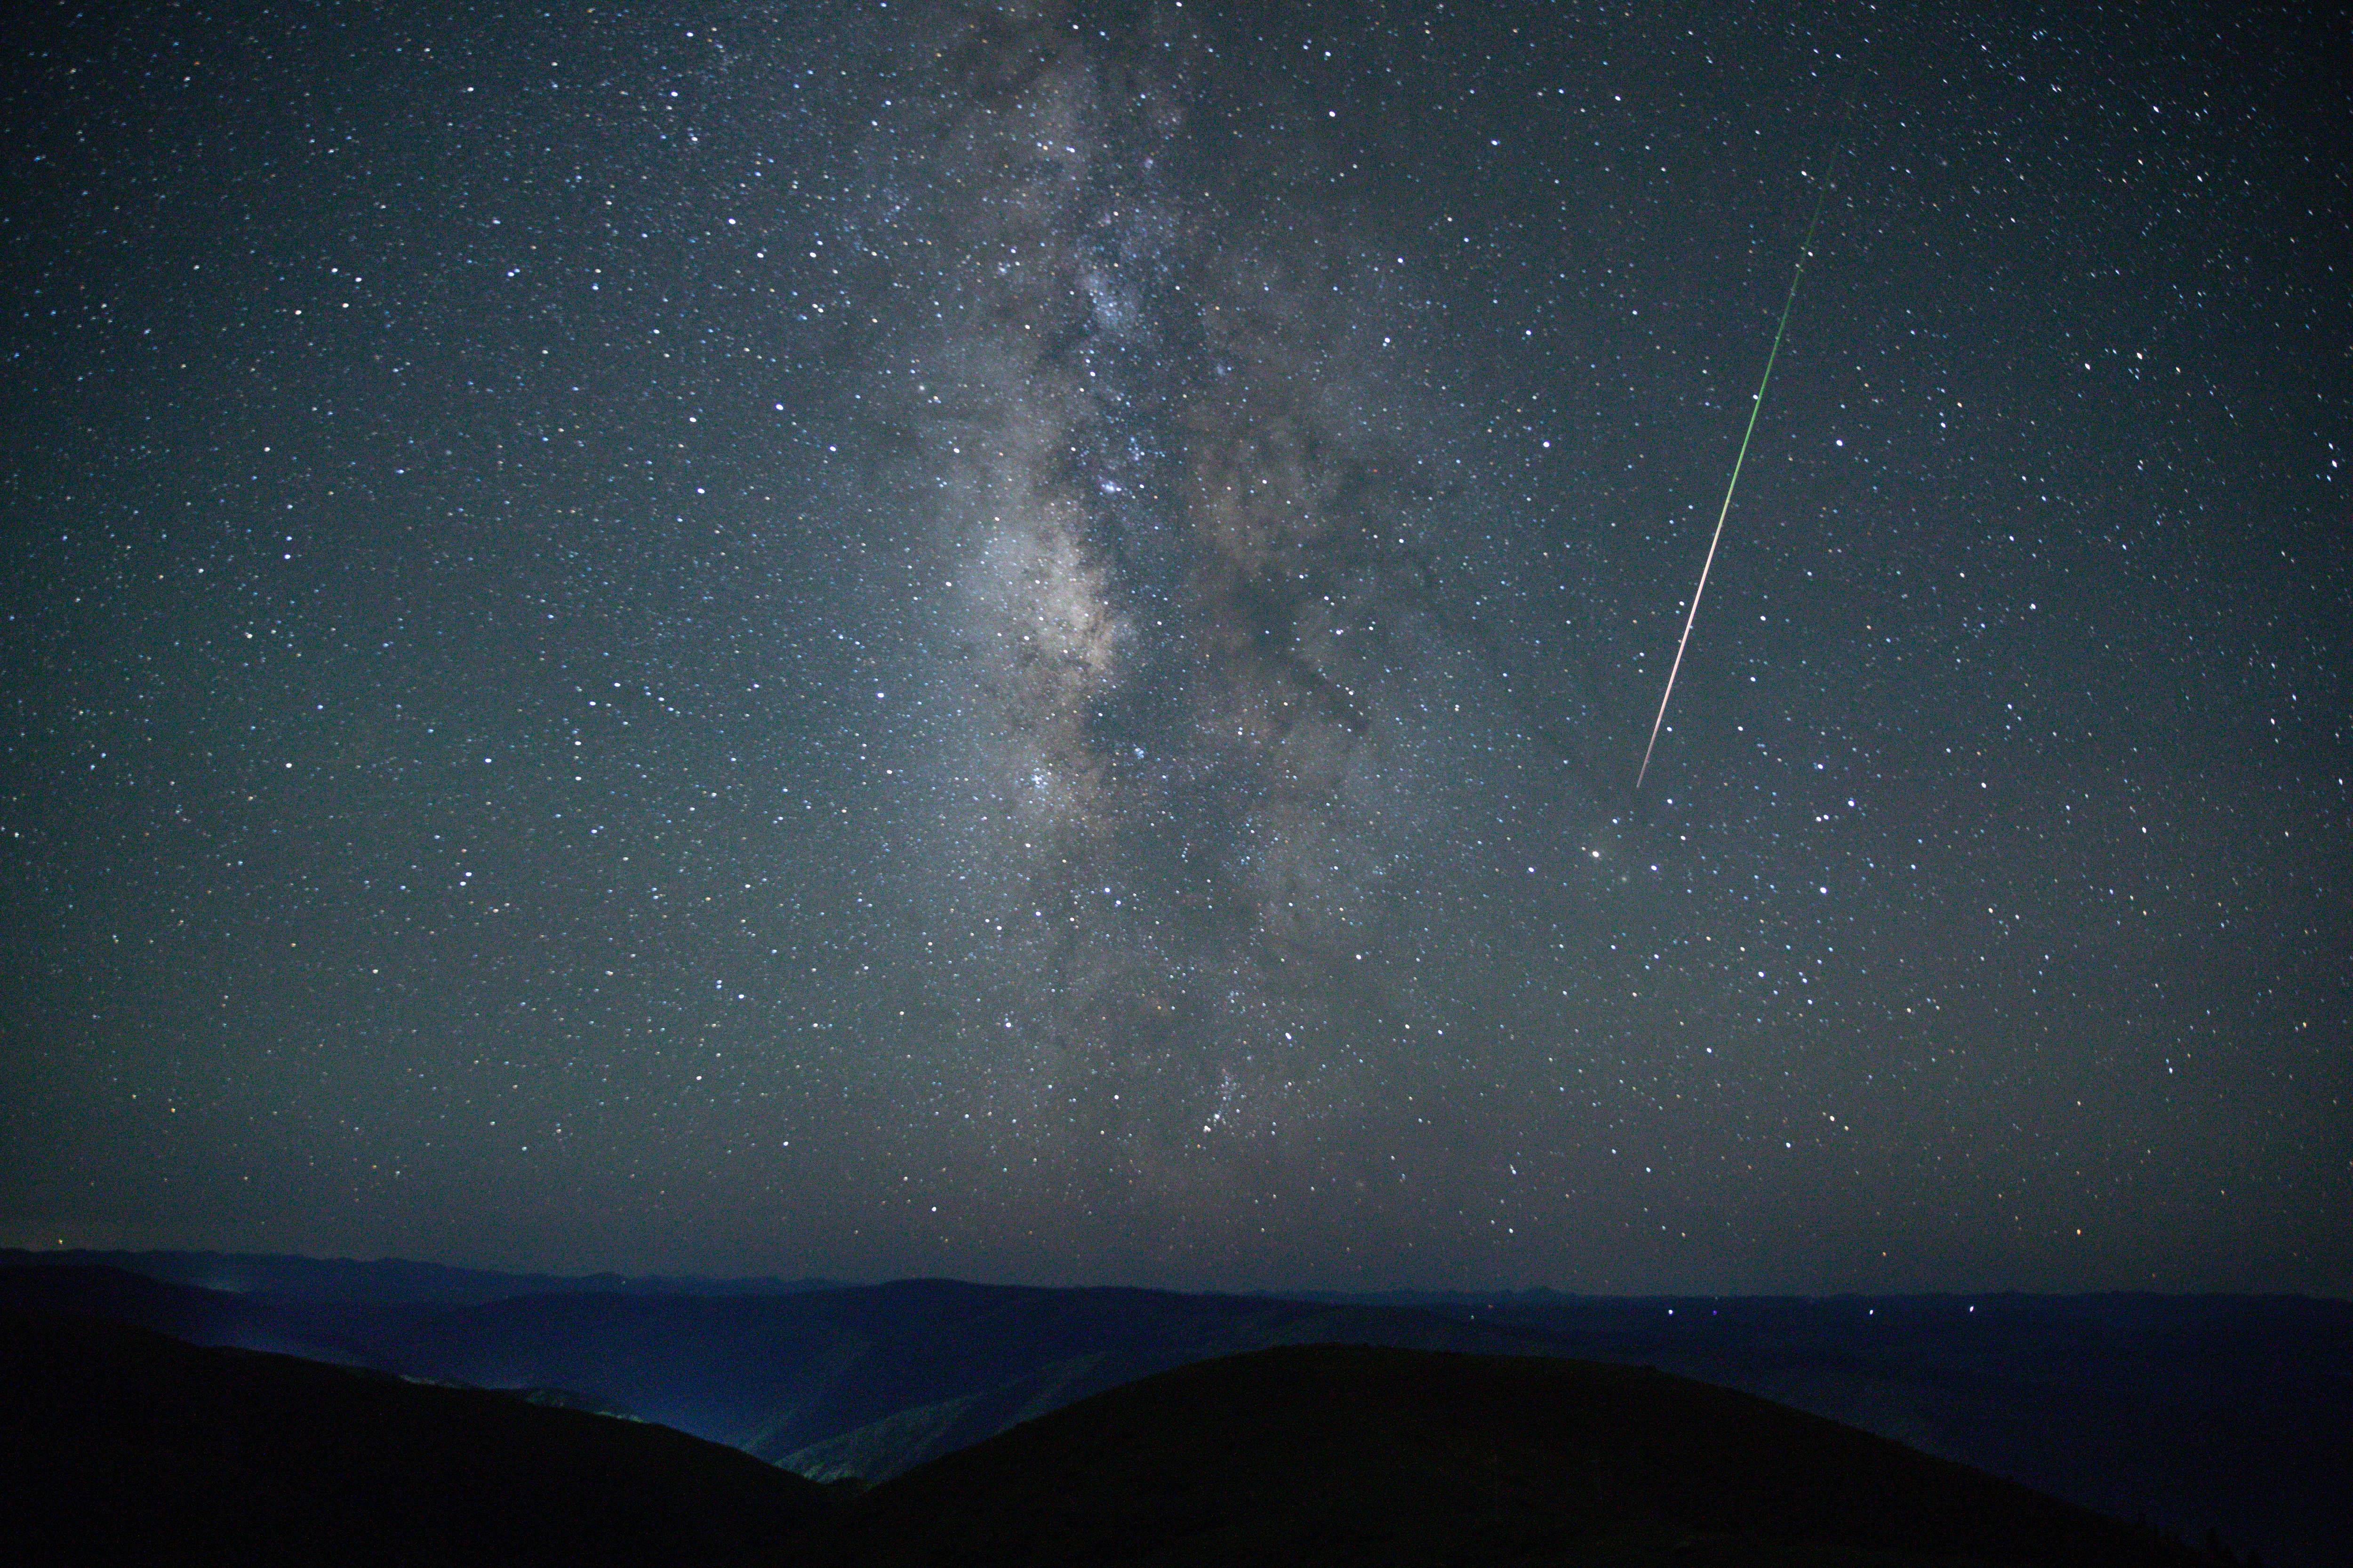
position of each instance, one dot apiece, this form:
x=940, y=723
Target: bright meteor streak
x=1756, y=406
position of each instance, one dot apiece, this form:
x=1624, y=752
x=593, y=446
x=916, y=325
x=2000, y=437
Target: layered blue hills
x=2225, y=1415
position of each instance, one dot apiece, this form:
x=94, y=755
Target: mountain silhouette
x=2225, y=1413
x=1361, y=1456
x=122, y=1446
x=788, y=1377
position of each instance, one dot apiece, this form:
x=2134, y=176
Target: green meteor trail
x=1756, y=406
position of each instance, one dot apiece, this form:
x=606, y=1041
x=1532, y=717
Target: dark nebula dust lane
x=1015, y=641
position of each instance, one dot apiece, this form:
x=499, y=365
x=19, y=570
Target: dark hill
x=118, y=1445
x=1361, y=1457
x=2231, y=1413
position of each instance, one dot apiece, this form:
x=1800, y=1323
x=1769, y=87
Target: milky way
x=1191, y=782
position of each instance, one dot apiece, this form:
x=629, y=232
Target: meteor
x=1756, y=406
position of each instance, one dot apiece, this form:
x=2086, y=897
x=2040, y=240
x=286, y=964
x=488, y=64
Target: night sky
x=1013, y=642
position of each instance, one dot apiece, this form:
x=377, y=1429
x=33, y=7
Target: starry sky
x=1013, y=641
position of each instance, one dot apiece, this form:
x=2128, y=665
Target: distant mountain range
x=118, y=1445
x=2234, y=1414
x=388, y=1280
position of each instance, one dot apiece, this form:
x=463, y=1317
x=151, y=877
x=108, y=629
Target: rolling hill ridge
x=2234, y=1414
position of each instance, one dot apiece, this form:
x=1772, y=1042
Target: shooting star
x=1756, y=406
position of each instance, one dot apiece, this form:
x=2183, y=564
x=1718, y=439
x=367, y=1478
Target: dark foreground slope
x=118, y=1445
x=1356, y=1455
x=2231, y=1413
